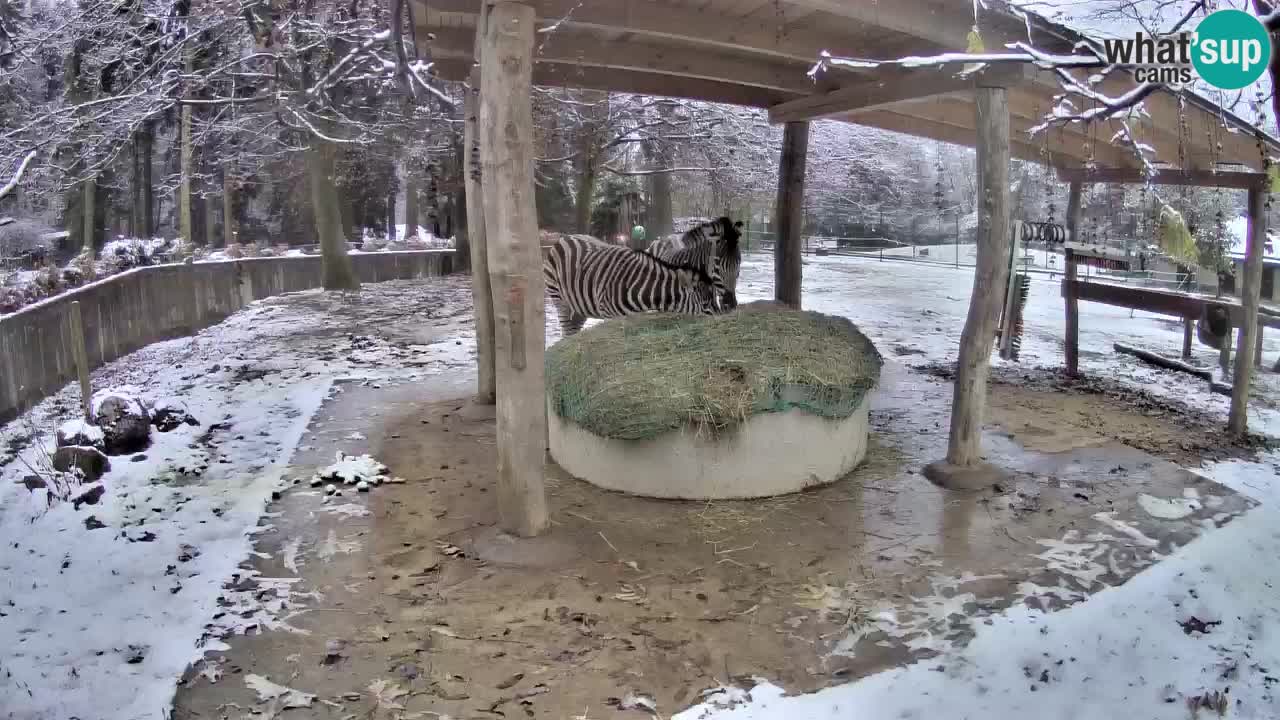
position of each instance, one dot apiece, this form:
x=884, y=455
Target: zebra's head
x=724, y=263
x=701, y=286
x=729, y=256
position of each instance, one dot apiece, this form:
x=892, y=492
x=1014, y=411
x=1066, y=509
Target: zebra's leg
x=572, y=323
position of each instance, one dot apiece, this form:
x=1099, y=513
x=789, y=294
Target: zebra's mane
x=700, y=272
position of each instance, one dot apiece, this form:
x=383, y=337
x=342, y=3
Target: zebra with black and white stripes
x=712, y=245
x=587, y=278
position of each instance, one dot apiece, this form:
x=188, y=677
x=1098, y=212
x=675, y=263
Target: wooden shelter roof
x=758, y=53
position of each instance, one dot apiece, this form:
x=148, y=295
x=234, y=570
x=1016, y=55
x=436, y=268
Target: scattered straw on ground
x=639, y=377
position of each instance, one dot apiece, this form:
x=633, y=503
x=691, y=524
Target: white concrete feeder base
x=768, y=454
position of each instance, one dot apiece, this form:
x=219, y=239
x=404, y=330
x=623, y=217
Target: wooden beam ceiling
x=946, y=26
x=891, y=89
x=1222, y=179
x=629, y=81
x=940, y=131
x=570, y=49
x=646, y=17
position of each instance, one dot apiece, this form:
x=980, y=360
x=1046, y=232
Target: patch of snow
x=353, y=469
x=1122, y=652
x=1109, y=519
x=333, y=546
x=80, y=428
x=131, y=397
x=285, y=696
x=1168, y=508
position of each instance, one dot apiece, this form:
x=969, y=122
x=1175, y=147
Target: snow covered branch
x=13, y=182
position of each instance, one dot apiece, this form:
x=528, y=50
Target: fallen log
x=1220, y=387
x=1164, y=362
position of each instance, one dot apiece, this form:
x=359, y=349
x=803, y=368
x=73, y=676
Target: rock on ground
x=89, y=460
x=124, y=420
x=170, y=414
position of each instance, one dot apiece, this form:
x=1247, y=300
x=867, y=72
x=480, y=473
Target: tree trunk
x=147, y=192
x=89, y=215
x=1072, y=342
x=659, y=158
x=432, y=199
x=660, y=222
x=410, y=208
x=973, y=366
x=1250, y=291
x=391, y=216
x=584, y=196
x=787, y=267
x=230, y=231
x=346, y=214
x=486, y=393
x=515, y=261
x=136, y=221
x=184, y=189
x=337, y=272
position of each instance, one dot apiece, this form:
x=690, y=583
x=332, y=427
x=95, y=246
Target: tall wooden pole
x=963, y=467
x=481, y=293
x=1069, y=281
x=505, y=128
x=787, y=268
x=1238, y=422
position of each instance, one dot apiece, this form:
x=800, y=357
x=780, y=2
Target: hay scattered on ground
x=639, y=377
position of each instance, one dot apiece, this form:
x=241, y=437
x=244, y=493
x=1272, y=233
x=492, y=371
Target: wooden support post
x=481, y=293
x=1238, y=423
x=787, y=264
x=963, y=467
x=505, y=127
x=1188, y=332
x=1224, y=355
x=1069, y=294
x=81, y=356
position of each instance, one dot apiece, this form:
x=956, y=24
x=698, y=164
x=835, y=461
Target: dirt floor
x=409, y=603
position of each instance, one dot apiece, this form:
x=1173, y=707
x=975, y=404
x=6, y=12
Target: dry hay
x=639, y=377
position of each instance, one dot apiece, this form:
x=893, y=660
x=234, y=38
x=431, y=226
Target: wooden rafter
x=660, y=20
x=645, y=56
x=886, y=91
x=1173, y=176
x=630, y=81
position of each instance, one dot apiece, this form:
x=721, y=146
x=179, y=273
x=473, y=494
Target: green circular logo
x=1231, y=49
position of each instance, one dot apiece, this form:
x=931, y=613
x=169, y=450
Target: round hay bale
x=763, y=401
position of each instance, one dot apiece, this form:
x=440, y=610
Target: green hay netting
x=639, y=377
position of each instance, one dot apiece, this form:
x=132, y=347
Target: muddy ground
x=434, y=612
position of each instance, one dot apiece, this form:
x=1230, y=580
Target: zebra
x=713, y=246
x=588, y=278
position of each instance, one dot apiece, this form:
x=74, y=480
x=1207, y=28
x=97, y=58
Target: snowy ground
x=99, y=618
x=101, y=621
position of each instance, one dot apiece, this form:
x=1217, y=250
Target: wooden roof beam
x=1071, y=145
x=944, y=132
x=897, y=88
x=1200, y=178
x=568, y=49
x=647, y=17
x=947, y=25
x=629, y=81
